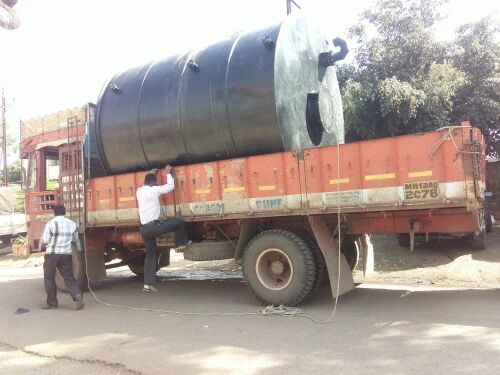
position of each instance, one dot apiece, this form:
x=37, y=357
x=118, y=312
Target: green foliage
x=52, y=184
x=20, y=240
x=404, y=81
x=478, y=56
x=14, y=171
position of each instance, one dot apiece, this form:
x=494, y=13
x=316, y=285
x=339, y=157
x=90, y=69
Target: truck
x=261, y=171
x=277, y=212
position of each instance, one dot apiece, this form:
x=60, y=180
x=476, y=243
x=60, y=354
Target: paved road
x=376, y=330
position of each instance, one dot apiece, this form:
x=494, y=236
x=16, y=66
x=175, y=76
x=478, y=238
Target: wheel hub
x=277, y=267
x=274, y=269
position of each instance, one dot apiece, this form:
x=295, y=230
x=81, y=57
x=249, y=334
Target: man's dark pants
x=62, y=262
x=149, y=233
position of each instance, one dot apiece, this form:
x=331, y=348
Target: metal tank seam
x=139, y=113
x=278, y=122
x=226, y=91
x=97, y=125
x=179, y=117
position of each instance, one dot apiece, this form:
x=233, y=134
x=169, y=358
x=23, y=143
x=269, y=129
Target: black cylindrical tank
x=259, y=92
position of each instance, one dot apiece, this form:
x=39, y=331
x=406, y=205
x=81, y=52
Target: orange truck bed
x=381, y=185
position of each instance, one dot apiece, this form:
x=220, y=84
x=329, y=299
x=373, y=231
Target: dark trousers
x=63, y=263
x=149, y=233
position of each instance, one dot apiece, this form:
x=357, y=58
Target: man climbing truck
x=254, y=128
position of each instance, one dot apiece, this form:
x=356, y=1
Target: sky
x=64, y=50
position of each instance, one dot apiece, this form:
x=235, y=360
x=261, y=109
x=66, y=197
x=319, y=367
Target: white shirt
x=58, y=235
x=148, y=198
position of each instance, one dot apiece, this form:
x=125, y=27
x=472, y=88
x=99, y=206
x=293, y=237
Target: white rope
x=271, y=310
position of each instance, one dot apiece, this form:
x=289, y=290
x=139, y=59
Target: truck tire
x=206, y=251
x=477, y=242
x=488, y=222
x=137, y=268
x=319, y=261
x=79, y=271
x=279, y=267
x=136, y=265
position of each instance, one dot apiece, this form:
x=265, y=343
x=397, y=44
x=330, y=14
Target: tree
x=14, y=171
x=477, y=54
x=403, y=80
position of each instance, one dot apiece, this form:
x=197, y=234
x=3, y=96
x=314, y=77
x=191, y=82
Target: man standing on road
x=56, y=240
x=148, y=198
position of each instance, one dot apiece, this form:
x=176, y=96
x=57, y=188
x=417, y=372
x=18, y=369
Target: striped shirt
x=58, y=235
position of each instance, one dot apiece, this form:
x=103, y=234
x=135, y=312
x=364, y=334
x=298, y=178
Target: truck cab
x=50, y=150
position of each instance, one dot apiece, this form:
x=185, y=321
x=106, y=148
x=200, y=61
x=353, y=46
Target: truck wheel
x=319, y=261
x=78, y=271
x=488, y=222
x=279, y=267
x=351, y=252
x=478, y=242
x=136, y=265
x=205, y=251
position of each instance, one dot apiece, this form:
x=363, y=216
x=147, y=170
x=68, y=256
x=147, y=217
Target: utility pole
x=4, y=141
x=289, y=6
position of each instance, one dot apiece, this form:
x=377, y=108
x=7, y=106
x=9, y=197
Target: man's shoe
x=181, y=248
x=149, y=289
x=79, y=302
x=49, y=307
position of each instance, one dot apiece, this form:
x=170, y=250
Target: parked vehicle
x=12, y=223
x=250, y=182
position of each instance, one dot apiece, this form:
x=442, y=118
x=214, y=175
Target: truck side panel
x=432, y=170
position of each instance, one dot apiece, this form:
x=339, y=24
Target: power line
x=4, y=141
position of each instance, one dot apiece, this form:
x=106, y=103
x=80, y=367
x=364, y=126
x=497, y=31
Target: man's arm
x=170, y=185
x=46, y=236
x=76, y=240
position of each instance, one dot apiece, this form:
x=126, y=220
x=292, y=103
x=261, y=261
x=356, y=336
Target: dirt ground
x=431, y=310
x=447, y=263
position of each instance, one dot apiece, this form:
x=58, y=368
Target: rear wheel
x=78, y=260
x=319, y=261
x=488, y=222
x=136, y=265
x=279, y=267
x=478, y=241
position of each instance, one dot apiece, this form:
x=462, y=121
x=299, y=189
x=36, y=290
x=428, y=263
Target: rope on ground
x=270, y=310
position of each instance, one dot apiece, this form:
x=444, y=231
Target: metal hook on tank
x=114, y=88
x=329, y=58
x=193, y=66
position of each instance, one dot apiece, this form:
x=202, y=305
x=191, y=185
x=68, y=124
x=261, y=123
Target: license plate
x=421, y=190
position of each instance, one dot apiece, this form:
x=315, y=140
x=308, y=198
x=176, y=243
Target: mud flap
x=96, y=267
x=329, y=248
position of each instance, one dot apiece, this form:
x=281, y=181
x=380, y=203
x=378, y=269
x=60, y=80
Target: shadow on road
x=384, y=330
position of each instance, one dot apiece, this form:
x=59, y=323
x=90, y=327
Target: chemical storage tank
x=264, y=91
